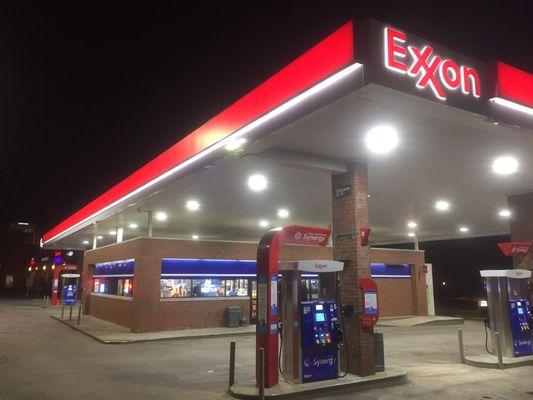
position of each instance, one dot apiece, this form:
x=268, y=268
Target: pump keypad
x=322, y=335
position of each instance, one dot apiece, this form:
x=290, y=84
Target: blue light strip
x=207, y=267
x=114, y=268
x=380, y=270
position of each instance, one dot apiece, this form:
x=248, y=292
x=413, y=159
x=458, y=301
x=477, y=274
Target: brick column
x=87, y=282
x=522, y=226
x=146, y=286
x=350, y=213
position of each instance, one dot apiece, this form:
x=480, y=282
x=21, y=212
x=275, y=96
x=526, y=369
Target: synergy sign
x=427, y=68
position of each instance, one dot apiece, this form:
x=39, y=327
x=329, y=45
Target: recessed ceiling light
x=283, y=213
x=495, y=123
x=442, y=205
x=113, y=232
x=235, y=144
x=99, y=237
x=412, y=224
x=381, y=139
x=411, y=234
x=195, y=237
x=257, y=182
x=278, y=228
x=263, y=223
x=464, y=229
x=192, y=205
x=161, y=216
x=133, y=226
x=85, y=242
x=505, y=165
x=505, y=213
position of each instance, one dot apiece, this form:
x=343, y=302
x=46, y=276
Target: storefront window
x=176, y=288
x=96, y=288
x=237, y=287
x=113, y=286
x=207, y=287
x=124, y=287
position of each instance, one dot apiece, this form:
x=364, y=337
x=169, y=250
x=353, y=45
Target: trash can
x=233, y=317
x=379, y=354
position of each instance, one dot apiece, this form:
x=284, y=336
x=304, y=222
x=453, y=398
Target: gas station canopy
x=446, y=140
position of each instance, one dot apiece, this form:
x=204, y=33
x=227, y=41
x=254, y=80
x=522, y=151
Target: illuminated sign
x=514, y=248
x=306, y=235
x=429, y=69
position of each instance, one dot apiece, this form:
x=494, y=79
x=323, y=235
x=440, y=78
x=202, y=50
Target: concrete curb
x=338, y=386
x=128, y=341
x=479, y=362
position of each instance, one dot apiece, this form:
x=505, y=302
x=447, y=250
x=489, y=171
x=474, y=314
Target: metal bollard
x=261, y=373
x=231, y=364
x=499, y=349
x=79, y=314
x=461, y=346
x=70, y=313
x=62, y=309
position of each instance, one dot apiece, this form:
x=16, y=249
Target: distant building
x=25, y=265
x=19, y=243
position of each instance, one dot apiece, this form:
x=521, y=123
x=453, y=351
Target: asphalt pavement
x=42, y=358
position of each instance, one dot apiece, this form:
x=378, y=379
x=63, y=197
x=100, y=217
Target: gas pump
x=509, y=310
x=57, y=282
x=311, y=328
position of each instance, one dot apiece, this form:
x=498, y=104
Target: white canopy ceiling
x=443, y=153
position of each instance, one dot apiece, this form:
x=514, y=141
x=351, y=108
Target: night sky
x=91, y=93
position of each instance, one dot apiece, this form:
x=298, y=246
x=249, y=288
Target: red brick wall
x=115, y=310
x=197, y=314
x=401, y=296
x=395, y=297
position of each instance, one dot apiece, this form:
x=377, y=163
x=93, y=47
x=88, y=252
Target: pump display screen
x=520, y=310
x=319, y=307
x=320, y=317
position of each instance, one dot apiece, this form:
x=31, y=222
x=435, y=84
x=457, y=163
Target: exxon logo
x=429, y=69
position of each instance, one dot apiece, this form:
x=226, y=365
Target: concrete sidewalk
x=110, y=333
x=426, y=320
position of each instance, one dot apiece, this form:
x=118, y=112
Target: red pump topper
x=370, y=314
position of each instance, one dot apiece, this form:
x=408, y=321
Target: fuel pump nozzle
x=339, y=333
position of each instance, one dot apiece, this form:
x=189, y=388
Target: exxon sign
x=428, y=69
